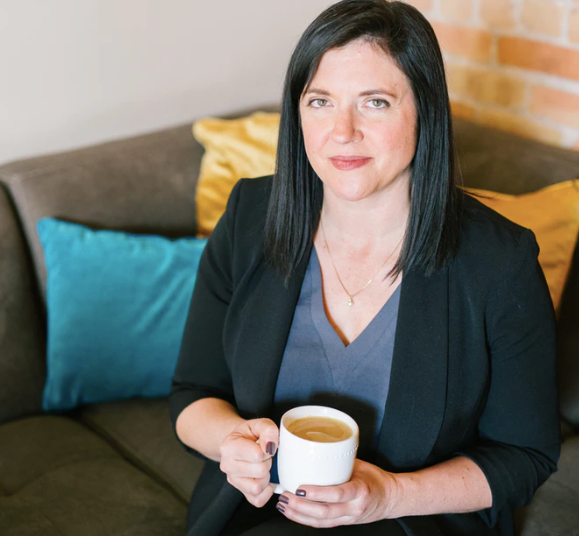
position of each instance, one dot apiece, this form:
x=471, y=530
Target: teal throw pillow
x=117, y=305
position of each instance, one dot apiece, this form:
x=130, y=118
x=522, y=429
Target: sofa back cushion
x=141, y=185
x=21, y=333
x=502, y=162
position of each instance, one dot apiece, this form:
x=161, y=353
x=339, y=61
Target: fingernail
x=283, y=499
x=270, y=448
x=280, y=507
x=300, y=493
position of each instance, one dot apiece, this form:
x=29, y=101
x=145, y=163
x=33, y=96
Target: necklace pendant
x=350, y=302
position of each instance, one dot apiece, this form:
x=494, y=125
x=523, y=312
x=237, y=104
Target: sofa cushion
x=553, y=510
x=552, y=213
x=234, y=148
x=22, y=370
x=141, y=429
x=503, y=162
x=57, y=477
x=117, y=305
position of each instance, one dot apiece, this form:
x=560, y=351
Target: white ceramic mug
x=303, y=462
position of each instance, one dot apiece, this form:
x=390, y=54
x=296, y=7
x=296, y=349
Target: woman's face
x=359, y=121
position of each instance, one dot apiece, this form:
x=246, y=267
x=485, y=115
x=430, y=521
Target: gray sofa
x=117, y=468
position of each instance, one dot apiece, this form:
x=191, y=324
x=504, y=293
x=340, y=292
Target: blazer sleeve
x=519, y=430
x=202, y=370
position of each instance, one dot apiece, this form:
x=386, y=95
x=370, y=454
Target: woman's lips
x=345, y=163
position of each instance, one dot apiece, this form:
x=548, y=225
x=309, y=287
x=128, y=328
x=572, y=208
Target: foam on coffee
x=320, y=429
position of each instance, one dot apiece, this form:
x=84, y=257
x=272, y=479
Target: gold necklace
x=352, y=296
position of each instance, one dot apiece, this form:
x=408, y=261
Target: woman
x=360, y=277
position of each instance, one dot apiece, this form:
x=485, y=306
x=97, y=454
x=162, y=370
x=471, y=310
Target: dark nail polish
x=300, y=493
x=280, y=507
x=270, y=448
x=283, y=499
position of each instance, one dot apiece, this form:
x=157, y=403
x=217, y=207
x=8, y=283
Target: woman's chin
x=351, y=194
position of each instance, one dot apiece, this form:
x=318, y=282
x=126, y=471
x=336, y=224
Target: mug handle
x=277, y=488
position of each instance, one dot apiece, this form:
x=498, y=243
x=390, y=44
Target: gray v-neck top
x=317, y=368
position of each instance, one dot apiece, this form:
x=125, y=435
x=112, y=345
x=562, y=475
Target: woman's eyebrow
x=365, y=93
x=369, y=92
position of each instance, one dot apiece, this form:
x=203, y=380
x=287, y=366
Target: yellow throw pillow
x=234, y=148
x=552, y=213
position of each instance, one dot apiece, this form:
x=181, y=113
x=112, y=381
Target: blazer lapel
x=263, y=335
x=417, y=395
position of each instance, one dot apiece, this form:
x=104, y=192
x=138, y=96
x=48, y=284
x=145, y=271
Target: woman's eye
x=318, y=103
x=378, y=103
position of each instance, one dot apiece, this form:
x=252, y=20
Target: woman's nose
x=345, y=128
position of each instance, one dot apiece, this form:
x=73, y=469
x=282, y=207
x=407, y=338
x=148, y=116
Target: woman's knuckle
x=358, y=508
x=261, y=501
x=318, y=524
x=363, y=490
x=255, y=488
x=257, y=471
x=250, y=499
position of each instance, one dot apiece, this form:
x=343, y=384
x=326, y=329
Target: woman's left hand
x=370, y=495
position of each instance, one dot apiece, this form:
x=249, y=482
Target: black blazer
x=473, y=369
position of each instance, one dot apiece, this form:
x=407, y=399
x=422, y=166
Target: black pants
x=267, y=521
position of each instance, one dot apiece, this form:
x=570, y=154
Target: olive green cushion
x=58, y=478
x=141, y=430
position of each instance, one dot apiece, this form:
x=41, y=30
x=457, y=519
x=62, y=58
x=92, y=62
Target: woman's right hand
x=247, y=462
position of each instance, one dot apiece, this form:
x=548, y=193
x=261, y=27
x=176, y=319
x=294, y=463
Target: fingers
x=319, y=515
x=246, y=458
x=268, y=434
x=256, y=491
x=321, y=511
x=317, y=522
x=331, y=494
x=261, y=499
x=237, y=468
x=251, y=441
x=322, y=506
x=236, y=447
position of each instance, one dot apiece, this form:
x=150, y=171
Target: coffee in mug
x=320, y=428
x=317, y=446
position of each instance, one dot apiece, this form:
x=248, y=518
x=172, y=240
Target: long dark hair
x=435, y=204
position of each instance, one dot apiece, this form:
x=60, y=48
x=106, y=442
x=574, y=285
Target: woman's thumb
x=267, y=434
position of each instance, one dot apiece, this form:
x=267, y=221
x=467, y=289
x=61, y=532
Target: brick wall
x=512, y=64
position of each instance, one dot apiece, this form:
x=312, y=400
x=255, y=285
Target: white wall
x=76, y=73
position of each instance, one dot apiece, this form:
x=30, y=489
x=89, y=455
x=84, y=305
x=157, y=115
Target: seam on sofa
x=58, y=468
x=131, y=455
